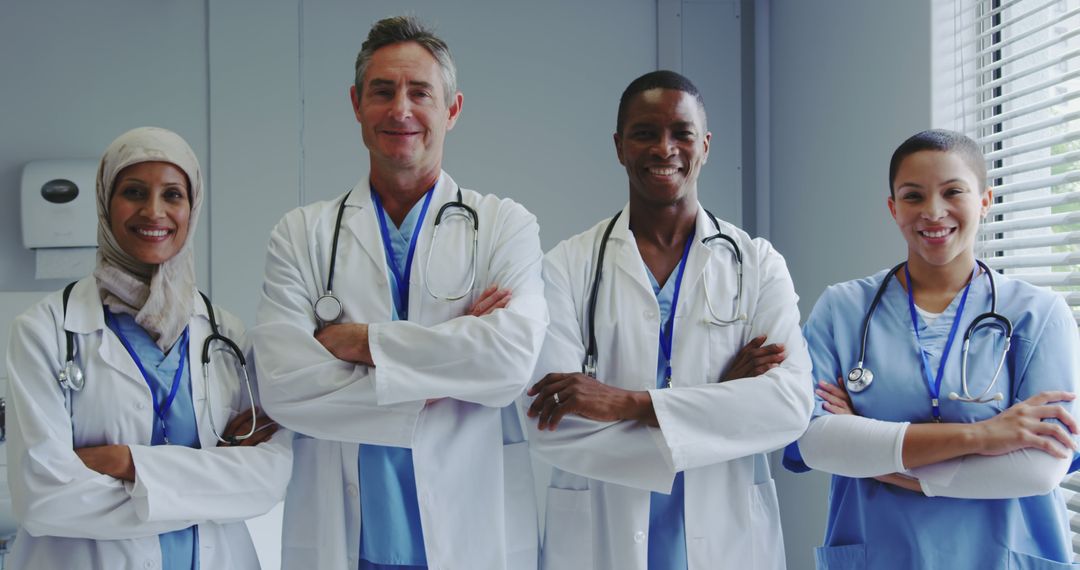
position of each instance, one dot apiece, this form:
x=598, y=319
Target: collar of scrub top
x=163, y=408
x=667, y=332
x=588, y=364
x=402, y=279
x=933, y=383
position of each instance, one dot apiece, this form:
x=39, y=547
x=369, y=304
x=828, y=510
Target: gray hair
x=401, y=29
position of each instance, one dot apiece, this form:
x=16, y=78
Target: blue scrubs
x=880, y=526
x=667, y=526
x=179, y=549
x=390, y=532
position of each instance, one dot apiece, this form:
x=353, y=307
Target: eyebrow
x=388, y=83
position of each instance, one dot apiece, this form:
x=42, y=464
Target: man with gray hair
x=402, y=377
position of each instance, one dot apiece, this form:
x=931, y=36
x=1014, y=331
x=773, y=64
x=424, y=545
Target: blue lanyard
x=934, y=384
x=402, y=280
x=667, y=333
x=163, y=408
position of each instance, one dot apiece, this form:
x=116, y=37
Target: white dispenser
x=59, y=216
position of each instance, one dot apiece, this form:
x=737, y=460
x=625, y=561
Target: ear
x=892, y=206
x=986, y=200
x=355, y=97
x=455, y=110
x=705, y=144
x=618, y=147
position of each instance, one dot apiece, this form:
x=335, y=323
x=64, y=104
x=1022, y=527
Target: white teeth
x=663, y=171
x=153, y=233
x=936, y=234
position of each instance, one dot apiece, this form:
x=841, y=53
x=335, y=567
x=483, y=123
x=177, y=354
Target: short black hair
x=663, y=79
x=940, y=140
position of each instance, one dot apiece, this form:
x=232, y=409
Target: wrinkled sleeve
x=52, y=492
x=760, y=414
x=625, y=452
x=233, y=483
x=303, y=386
x=485, y=360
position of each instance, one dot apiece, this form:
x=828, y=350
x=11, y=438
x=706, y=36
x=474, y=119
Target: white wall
x=849, y=81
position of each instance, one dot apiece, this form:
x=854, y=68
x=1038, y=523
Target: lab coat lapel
x=85, y=315
x=624, y=251
x=698, y=260
x=360, y=221
x=199, y=329
x=445, y=191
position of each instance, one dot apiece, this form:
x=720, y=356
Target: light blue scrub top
x=179, y=549
x=880, y=526
x=667, y=526
x=390, y=532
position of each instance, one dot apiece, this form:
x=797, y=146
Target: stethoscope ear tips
x=954, y=396
x=999, y=397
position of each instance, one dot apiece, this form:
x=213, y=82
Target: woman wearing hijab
x=121, y=453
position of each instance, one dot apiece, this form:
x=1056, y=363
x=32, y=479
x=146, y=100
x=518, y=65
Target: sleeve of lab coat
x=1052, y=363
x=52, y=492
x=627, y=452
x=303, y=386
x=717, y=422
x=222, y=484
x=485, y=360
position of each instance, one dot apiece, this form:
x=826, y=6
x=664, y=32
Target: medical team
x=658, y=357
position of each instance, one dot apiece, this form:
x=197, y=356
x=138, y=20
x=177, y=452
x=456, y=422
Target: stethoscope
x=860, y=377
x=71, y=377
x=588, y=366
x=328, y=307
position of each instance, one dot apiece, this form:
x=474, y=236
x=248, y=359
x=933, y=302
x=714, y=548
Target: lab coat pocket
x=568, y=530
x=768, y=540
x=847, y=557
x=522, y=534
x=1018, y=561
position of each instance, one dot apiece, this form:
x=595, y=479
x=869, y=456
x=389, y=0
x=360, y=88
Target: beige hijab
x=160, y=297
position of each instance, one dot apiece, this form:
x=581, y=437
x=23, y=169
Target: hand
x=754, y=359
x=112, y=460
x=837, y=399
x=240, y=425
x=902, y=481
x=492, y=298
x=587, y=397
x=348, y=342
x=1021, y=426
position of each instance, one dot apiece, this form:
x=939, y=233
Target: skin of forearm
x=639, y=407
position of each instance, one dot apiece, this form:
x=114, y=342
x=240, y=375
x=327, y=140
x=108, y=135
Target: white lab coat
x=73, y=517
x=717, y=433
x=478, y=365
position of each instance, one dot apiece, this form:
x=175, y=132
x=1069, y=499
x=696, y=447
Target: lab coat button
x=142, y=406
x=148, y=563
x=650, y=315
x=353, y=491
x=639, y=537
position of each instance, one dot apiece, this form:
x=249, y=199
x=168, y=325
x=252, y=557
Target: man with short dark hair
x=659, y=442
x=397, y=324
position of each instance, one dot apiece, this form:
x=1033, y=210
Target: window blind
x=1020, y=98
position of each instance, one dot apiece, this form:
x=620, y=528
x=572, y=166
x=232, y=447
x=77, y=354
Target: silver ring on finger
x=557, y=399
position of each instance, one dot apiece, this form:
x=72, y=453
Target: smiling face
x=937, y=204
x=402, y=110
x=663, y=145
x=149, y=211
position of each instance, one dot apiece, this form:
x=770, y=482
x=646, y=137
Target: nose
x=934, y=208
x=154, y=207
x=401, y=107
x=664, y=147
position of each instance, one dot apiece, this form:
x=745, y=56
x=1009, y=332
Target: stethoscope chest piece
x=859, y=379
x=328, y=308
x=71, y=377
